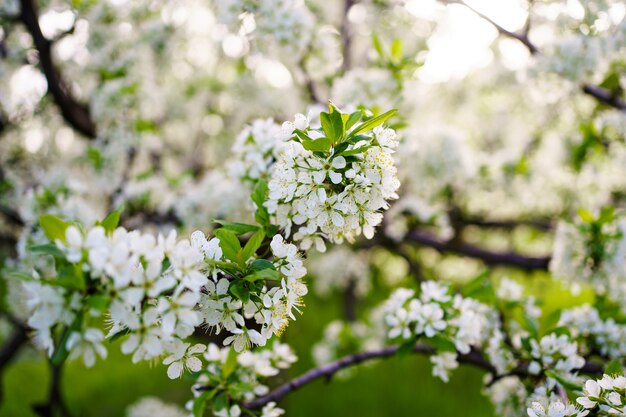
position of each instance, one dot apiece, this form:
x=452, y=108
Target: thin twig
x=76, y=114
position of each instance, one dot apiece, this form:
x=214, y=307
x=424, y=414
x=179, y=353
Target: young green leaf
x=229, y=243
x=111, y=221
x=237, y=228
x=372, y=123
x=259, y=193
x=252, y=245
x=239, y=291
x=353, y=118
x=49, y=249
x=263, y=274
x=53, y=227
x=199, y=403
x=231, y=363
x=322, y=144
x=260, y=264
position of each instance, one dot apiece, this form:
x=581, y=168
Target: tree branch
x=75, y=114
x=474, y=358
x=605, y=96
x=527, y=263
x=346, y=36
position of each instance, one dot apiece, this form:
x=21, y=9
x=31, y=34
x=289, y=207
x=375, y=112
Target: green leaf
x=322, y=144
x=220, y=403
x=356, y=151
x=530, y=325
x=353, y=118
x=550, y=322
x=259, y=265
x=49, y=249
x=378, y=46
x=119, y=334
x=239, y=291
x=60, y=352
x=327, y=126
x=53, y=227
x=228, y=267
x=70, y=276
x=252, y=245
x=111, y=221
x=199, y=403
x=231, y=363
x=229, y=243
x=585, y=215
x=372, y=123
x=259, y=193
x=98, y=302
x=237, y=228
x=396, y=50
x=477, y=284
x=614, y=368
x=20, y=276
x=263, y=274
x=259, y=196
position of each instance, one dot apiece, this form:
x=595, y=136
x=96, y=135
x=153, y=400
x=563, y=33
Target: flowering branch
x=474, y=357
x=75, y=113
x=598, y=93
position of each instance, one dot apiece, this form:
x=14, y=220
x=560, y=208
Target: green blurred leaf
x=49, y=249
x=111, y=221
x=231, y=363
x=53, y=227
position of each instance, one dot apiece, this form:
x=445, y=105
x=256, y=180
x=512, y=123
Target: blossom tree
x=178, y=177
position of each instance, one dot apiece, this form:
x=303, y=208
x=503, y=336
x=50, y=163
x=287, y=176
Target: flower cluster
x=286, y=24
x=234, y=379
x=256, y=149
x=606, y=336
x=592, y=250
x=556, y=353
x=333, y=182
x=607, y=395
x=455, y=323
x=157, y=290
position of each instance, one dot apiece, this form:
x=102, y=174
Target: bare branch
x=75, y=114
x=527, y=263
x=605, y=96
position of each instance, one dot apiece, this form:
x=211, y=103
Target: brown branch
x=605, y=96
x=75, y=114
x=515, y=259
x=474, y=358
x=55, y=405
x=346, y=36
x=12, y=345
